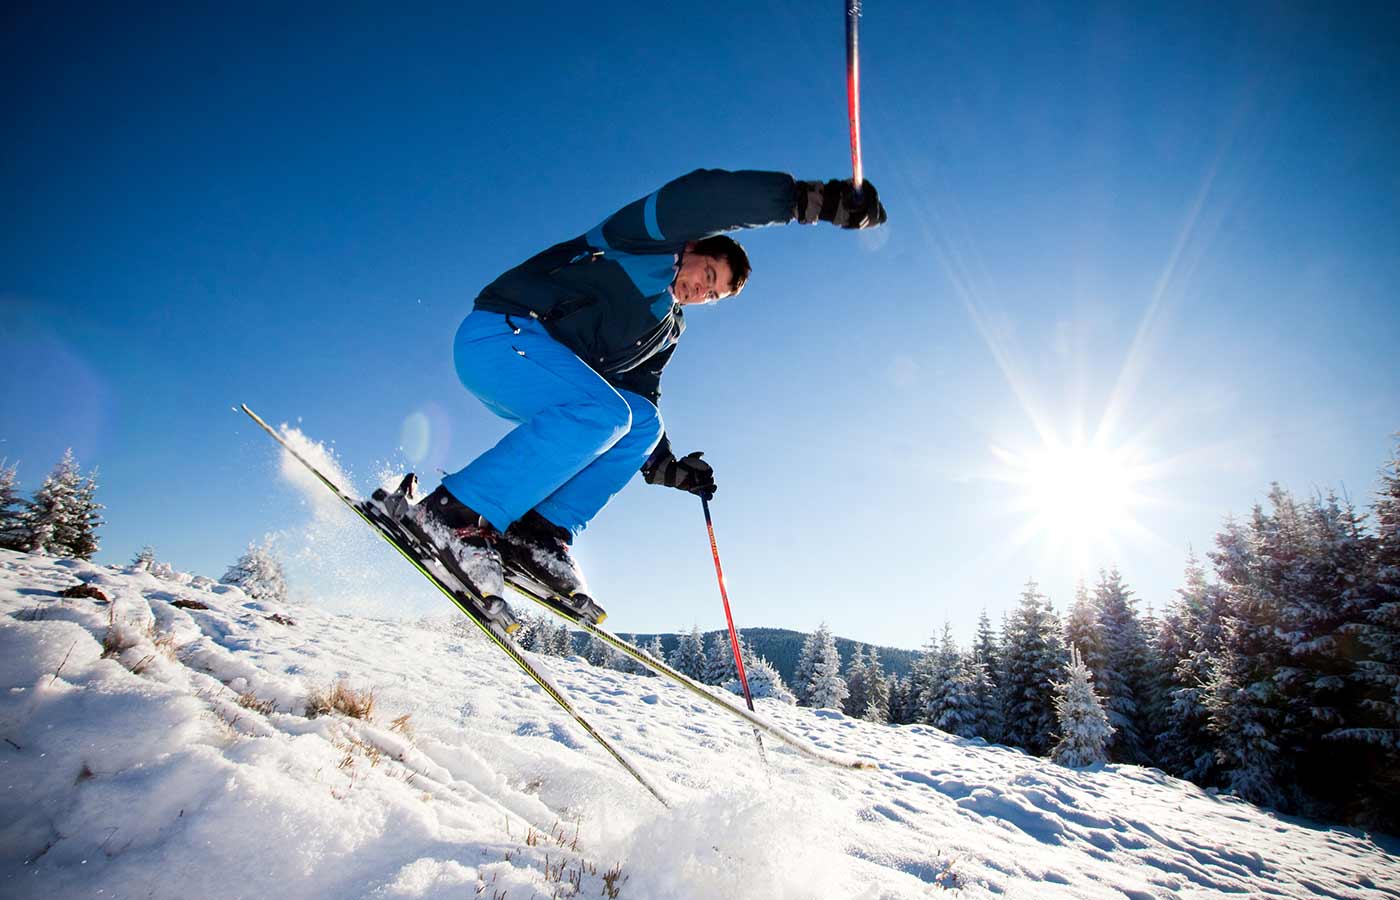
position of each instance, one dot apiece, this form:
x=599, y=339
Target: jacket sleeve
x=646, y=378
x=704, y=203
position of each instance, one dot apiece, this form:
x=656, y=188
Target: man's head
x=709, y=270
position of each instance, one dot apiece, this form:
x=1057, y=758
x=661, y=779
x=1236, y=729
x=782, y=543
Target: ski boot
x=536, y=550
x=446, y=531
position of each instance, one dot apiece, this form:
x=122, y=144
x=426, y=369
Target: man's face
x=701, y=279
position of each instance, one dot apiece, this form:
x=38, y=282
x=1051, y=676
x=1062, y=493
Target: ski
x=468, y=604
x=530, y=589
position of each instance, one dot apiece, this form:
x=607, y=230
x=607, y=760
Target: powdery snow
x=181, y=764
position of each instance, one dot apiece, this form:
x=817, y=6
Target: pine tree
x=1376, y=722
x=52, y=514
x=719, y=659
x=655, y=649
x=689, y=655
x=597, y=652
x=806, y=661
x=1249, y=714
x=951, y=705
x=561, y=642
x=259, y=573
x=145, y=559
x=877, y=689
x=986, y=656
x=1033, y=653
x=1082, y=631
x=901, y=712
x=924, y=680
x=764, y=680
x=87, y=518
x=1084, y=728
x=14, y=528
x=1121, y=677
x=856, y=697
x=528, y=637
x=827, y=689
x=1191, y=642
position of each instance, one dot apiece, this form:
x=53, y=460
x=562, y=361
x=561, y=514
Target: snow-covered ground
x=182, y=764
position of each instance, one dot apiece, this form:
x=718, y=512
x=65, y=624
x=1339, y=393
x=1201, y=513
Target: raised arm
x=704, y=203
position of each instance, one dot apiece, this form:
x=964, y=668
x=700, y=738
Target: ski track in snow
x=142, y=775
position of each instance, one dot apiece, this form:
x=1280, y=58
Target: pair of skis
x=471, y=606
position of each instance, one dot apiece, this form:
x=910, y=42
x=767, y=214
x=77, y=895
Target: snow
x=181, y=763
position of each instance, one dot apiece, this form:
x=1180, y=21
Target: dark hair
x=726, y=248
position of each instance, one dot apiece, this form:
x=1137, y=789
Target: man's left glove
x=689, y=473
x=836, y=202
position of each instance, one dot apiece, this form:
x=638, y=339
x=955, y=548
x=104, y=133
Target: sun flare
x=1078, y=499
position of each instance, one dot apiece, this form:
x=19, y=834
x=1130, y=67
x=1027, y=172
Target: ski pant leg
x=568, y=415
x=582, y=497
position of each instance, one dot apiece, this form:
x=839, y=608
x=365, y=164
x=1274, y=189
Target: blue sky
x=1175, y=230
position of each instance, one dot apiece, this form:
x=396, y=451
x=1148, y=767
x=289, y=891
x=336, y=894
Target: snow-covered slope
x=181, y=764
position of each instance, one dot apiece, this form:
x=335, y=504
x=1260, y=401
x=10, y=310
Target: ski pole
x=729, y=617
x=853, y=88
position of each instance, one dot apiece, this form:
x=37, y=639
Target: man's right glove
x=689, y=473
x=836, y=202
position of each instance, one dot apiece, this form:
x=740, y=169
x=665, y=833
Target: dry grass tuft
x=343, y=699
x=249, y=700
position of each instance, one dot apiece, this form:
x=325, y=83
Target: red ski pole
x=853, y=88
x=729, y=617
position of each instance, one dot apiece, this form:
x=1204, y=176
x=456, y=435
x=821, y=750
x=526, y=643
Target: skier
x=570, y=344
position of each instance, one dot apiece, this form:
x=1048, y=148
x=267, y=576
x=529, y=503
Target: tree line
x=60, y=519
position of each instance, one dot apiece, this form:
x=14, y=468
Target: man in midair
x=570, y=345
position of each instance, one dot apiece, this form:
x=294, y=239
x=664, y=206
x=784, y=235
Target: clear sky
x=1164, y=240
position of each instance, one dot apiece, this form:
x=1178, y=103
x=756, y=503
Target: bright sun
x=1078, y=499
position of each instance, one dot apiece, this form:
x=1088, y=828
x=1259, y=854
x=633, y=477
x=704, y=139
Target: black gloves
x=689, y=473
x=836, y=202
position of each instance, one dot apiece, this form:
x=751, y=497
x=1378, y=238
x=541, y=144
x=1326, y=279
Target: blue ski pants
x=578, y=441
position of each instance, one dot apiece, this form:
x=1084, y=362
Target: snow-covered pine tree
x=597, y=652
x=923, y=681
x=1121, y=678
x=806, y=661
x=856, y=697
x=145, y=559
x=986, y=655
x=951, y=705
x=14, y=528
x=52, y=513
x=87, y=518
x=764, y=680
x=561, y=642
x=1325, y=622
x=877, y=690
x=259, y=573
x=689, y=656
x=827, y=689
x=1033, y=654
x=1084, y=728
x=1082, y=630
x=719, y=659
x=901, y=713
x=528, y=637
x=1190, y=640
x=1377, y=673
x=1249, y=716
x=655, y=649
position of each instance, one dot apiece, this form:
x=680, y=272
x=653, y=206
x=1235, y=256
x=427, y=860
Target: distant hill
x=781, y=646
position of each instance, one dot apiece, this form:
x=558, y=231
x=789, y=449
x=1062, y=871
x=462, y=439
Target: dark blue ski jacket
x=605, y=294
